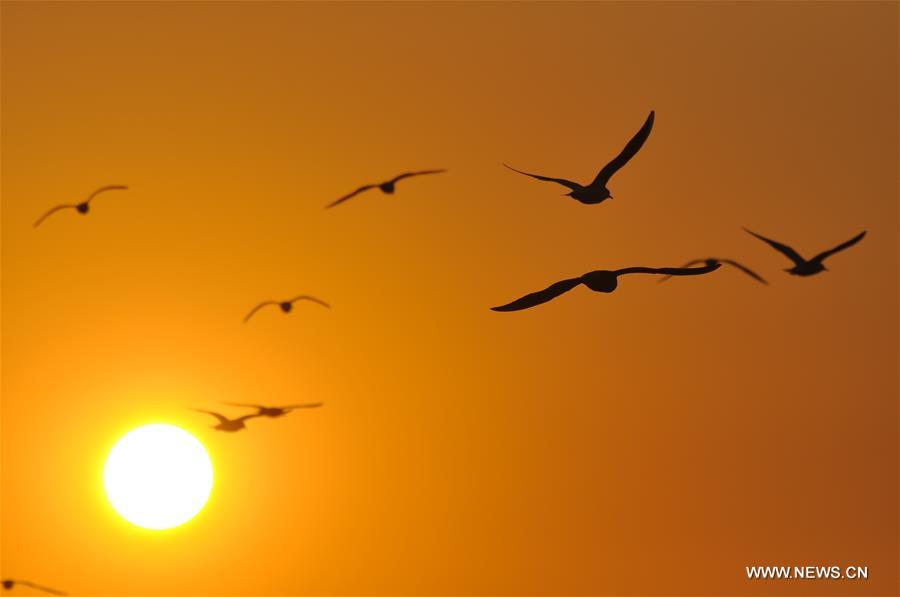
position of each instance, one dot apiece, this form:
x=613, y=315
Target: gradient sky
x=654, y=441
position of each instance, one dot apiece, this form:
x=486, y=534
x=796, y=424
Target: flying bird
x=286, y=306
x=82, y=207
x=386, y=187
x=599, y=281
x=597, y=191
x=226, y=424
x=9, y=583
x=276, y=411
x=804, y=267
x=730, y=262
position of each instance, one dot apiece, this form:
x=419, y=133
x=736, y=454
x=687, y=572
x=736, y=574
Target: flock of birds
x=605, y=281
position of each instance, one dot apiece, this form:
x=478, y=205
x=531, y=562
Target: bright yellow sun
x=158, y=476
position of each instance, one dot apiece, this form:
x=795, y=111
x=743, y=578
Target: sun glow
x=158, y=476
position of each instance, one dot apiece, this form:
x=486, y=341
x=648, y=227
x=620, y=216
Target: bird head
x=8, y=584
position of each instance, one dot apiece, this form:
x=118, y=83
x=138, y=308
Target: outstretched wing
x=35, y=586
x=688, y=264
x=542, y=296
x=783, y=249
x=626, y=154
x=419, y=173
x=209, y=412
x=307, y=405
x=246, y=417
x=671, y=271
x=745, y=269
x=112, y=187
x=257, y=308
x=566, y=183
x=350, y=195
x=51, y=212
x=826, y=254
x=306, y=297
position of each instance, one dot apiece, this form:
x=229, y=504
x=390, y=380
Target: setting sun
x=158, y=476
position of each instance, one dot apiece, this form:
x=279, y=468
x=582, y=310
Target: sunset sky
x=653, y=441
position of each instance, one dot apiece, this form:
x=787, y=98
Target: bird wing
x=52, y=211
x=783, y=249
x=245, y=417
x=112, y=187
x=257, y=308
x=825, y=254
x=306, y=297
x=688, y=264
x=307, y=405
x=216, y=415
x=541, y=296
x=671, y=271
x=39, y=587
x=349, y=195
x=418, y=173
x=566, y=183
x=745, y=269
x=626, y=154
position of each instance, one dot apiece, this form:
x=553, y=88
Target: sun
x=158, y=476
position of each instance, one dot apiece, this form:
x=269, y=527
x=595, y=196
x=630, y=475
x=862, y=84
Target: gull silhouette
x=287, y=305
x=9, y=583
x=804, y=267
x=276, y=411
x=597, y=191
x=226, y=424
x=386, y=187
x=731, y=262
x=82, y=207
x=599, y=281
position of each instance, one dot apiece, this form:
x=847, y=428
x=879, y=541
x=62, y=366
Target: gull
x=226, y=424
x=9, y=583
x=287, y=305
x=804, y=267
x=731, y=262
x=276, y=411
x=598, y=281
x=82, y=207
x=386, y=187
x=597, y=191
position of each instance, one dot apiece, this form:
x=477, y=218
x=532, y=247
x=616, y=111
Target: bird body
x=597, y=191
x=286, y=306
x=387, y=187
x=83, y=207
x=605, y=281
x=806, y=267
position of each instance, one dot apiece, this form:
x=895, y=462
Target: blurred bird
x=730, y=262
x=276, y=411
x=82, y=207
x=598, y=281
x=597, y=191
x=287, y=305
x=226, y=424
x=803, y=267
x=386, y=187
x=9, y=583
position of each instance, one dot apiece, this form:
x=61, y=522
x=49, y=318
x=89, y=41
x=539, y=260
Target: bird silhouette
x=731, y=262
x=82, y=207
x=276, y=411
x=804, y=267
x=287, y=305
x=226, y=424
x=386, y=187
x=596, y=191
x=598, y=281
x=9, y=583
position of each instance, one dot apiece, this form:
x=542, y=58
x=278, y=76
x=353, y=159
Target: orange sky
x=654, y=441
